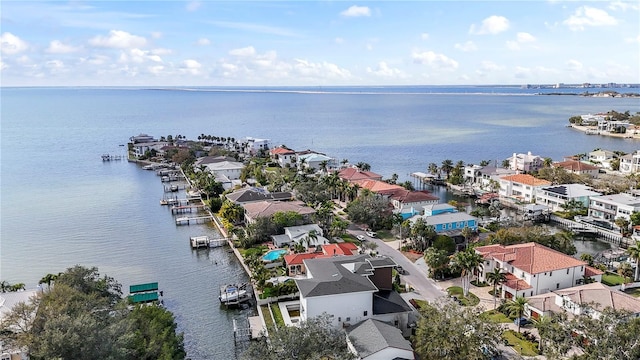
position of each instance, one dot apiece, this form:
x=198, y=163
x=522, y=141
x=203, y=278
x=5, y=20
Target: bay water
x=62, y=205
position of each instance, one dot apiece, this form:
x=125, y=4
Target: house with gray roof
x=554, y=197
x=301, y=235
x=373, y=340
x=252, y=194
x=352, y=289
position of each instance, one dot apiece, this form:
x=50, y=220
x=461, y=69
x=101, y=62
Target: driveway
x=424, y=287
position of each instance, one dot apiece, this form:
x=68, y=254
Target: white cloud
x=633, y=40
x=323, y=70
x=257, y=28
x=57, y=47
x=574, y=65
x=161, y=51
x=492, y=25
x=12, y=44
x=467, y=46
x=156, y=69
x=3, y=65
x=491, y=66
x=118, y=39
x=193, y=5
x=356, y=11
x=589, y=16
x=522, y=72
x=434, y=60
x=424, y=36
x=243, y=52
x=203, y=42
x=339, y=40
x=623, y=5
x=523, y=37
x=156, y=34
x=54, y=64
x=191, y=66
x=99, y=60
x=383, y=70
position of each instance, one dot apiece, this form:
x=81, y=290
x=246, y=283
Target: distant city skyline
x=321, y=43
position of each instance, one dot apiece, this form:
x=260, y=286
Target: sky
x=318, y=43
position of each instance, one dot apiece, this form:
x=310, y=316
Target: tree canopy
x=83, y=316
x=313, y=339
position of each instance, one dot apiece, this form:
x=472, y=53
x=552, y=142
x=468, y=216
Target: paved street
x=425, y=288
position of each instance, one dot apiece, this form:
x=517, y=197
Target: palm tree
x=447, y=166
x=467, y=262
x=312, y=235
x=48, y=279
x=433, y=168
x=4, y=286
x=517, y=307
x=623, y=224
x=495, y=278
x=634, y=254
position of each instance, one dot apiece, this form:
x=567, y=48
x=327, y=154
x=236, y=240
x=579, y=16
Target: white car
x=360, y=237
x=370, y=234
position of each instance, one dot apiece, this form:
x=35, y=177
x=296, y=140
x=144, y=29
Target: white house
x=602, y=157
x=140, y=148
x=253, y=146
x=521, y=187
x=630, y=163
x=588, y=299
x=533, y=269
x=554, y=197
x=351, y=289
x=525, y=162
x=313, y=160
x=610, y=207
x=301, y=234
x=283, y=155
x=376, y=340
x=485, y=176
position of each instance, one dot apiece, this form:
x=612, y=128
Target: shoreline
x=634, y=134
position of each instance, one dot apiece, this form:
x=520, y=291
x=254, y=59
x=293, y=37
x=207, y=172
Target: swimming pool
x=274, y=254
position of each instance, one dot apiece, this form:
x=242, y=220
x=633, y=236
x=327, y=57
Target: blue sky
x=244, y=43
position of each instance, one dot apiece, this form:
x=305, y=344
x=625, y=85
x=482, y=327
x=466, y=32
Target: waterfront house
x=252, y=194
x=226, y=172
x=449, y=222
x=141, y=148
x=257, y=209
x=602, y=157
x=533, y=269
x=301, y=234
x=376, y=340
x=520, y=188
x=295, y=262
x=205, y=160
x=578, y=168
x=525, y=162
x=353, y=174
x=589, y=299
x=436, y=209
x=610, y=207
x=351, y=289
x=554, y=197
x=254, y=146
x=313, y=160
x=630, y=163
x=485, y=176
x=405, y=202
x=283, y=155
x=142, y=138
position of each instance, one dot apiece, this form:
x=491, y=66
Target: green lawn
x=635, y=292
x=612, y=279
x=470, y=300
x=496, y=316
x=277, y=315
x=268, y=320
x=522, y=346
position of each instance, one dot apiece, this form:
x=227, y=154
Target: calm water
x=61, y=205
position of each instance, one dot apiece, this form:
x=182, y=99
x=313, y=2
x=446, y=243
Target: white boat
x=233, y=293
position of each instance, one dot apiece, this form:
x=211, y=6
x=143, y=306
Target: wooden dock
x=183, y=209
x=204, y=241
x=193, y=220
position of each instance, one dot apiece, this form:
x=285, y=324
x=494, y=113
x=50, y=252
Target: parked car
x=370, y=234
x=522, y=321
x=360, y=237
x=401, y=270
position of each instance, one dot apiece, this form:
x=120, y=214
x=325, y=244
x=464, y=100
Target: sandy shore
x=633, y=134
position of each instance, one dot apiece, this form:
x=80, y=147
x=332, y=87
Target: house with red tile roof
x=352, y=174
x=578, y=167
x=533, y=269
x=588, y=299
x=295, y=262
x=283, y=155
x=405, y=202
x=521, y=187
